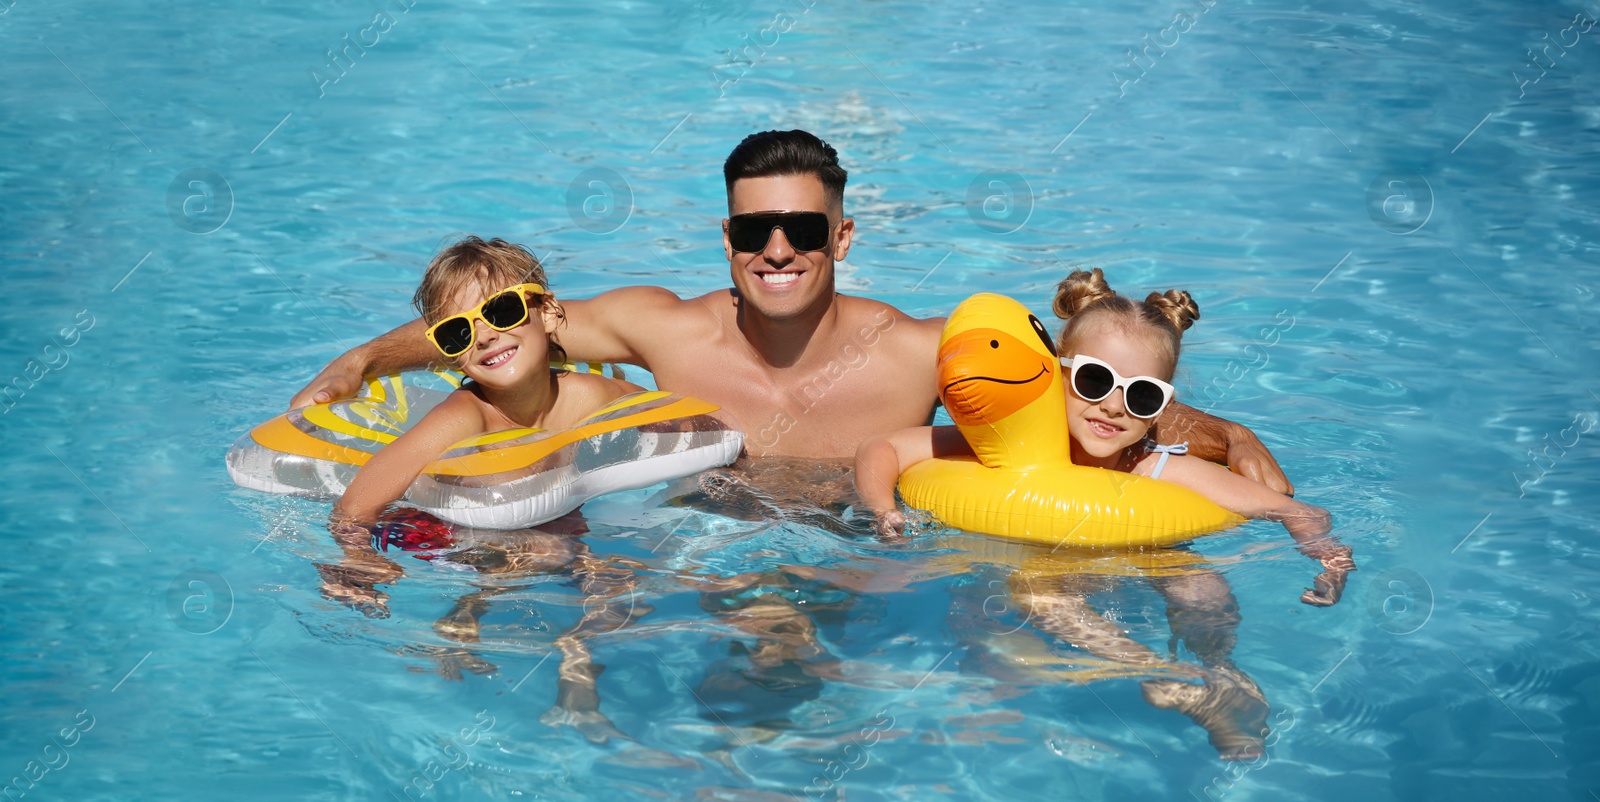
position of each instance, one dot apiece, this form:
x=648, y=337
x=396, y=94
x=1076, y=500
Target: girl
x=1122, y=356
x=490, y=313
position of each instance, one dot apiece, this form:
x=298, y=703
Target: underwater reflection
x=777, y=662
x=817, y=493
x=607, y=585
x=774, y=659
x=1052, y=594
x=1014, y=606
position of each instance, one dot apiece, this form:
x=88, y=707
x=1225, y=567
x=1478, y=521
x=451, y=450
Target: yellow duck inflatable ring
x=1001, y=381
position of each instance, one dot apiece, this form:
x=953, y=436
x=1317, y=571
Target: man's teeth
x=780, y=278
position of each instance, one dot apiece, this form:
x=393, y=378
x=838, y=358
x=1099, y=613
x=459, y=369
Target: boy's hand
x=1337, y=562
x=354, y=586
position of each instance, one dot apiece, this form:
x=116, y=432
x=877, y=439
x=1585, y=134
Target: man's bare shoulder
x=924, y=330
x=639, y=297
x=900, y=330
x=657, y=306
x=666, y=300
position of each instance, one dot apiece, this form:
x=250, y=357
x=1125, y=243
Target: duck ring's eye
x=1044, y=337
x=994, y=343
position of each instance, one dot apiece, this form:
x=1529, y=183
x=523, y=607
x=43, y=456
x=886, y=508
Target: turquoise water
x=1370, y=195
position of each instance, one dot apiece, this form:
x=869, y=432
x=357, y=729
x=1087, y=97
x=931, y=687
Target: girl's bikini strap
x=1165, y=452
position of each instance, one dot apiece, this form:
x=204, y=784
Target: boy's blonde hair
x=1084, y=299
x=492, y=266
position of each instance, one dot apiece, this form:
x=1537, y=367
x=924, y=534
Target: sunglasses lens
x=1092, y=382
x=1144, y=398
x=454, y=335
x=807, y=231
x=506, y=310
x=749, y=234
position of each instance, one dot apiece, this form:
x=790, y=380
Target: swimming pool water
x=1388, y=217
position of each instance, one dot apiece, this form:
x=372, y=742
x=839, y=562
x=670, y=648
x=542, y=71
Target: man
x=804, y=370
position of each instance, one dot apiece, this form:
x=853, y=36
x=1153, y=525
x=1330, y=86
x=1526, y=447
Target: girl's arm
x=881, y=459
x=1308, y=525
x=389, y=472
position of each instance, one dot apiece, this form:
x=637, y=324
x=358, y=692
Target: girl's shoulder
x=1142, y=461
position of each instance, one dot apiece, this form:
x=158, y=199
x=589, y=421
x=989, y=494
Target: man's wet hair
x=795, y=152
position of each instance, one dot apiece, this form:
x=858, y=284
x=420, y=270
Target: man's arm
x=618, y=325
x=604, y=328
x=1216, y=440
x=405, y=348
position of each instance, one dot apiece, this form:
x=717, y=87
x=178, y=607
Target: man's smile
x=783, y=279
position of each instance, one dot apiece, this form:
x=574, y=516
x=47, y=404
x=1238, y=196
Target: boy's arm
x=389, y=472
x=1221, y=441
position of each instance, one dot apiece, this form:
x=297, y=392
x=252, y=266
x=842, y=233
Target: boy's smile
x=498, y=356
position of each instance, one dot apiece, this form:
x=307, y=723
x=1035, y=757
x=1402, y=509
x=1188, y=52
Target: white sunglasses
x=1093, y=380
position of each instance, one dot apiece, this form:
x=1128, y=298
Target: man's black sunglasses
x=806, y=231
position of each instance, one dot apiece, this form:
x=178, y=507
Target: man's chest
x=826, y=411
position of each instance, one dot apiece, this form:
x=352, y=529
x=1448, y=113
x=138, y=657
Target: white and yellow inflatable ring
x=503, y=480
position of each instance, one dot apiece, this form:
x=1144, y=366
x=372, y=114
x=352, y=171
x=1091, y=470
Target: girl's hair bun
x=1081, y=290
x=1175, y=305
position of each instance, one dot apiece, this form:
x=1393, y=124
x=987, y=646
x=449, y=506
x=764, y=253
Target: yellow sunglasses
x=502, y=311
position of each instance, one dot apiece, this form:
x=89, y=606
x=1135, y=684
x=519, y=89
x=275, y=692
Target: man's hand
x=405, y=348
x=340, y=379
x=1250, y=459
